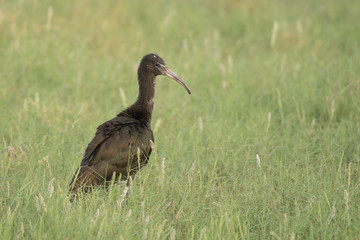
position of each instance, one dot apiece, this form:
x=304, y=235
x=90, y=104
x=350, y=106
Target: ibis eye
x=157, y=64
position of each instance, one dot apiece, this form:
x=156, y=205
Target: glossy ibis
x=122, y=145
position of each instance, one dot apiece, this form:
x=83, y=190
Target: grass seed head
x=122, y=196
x=200, y=123
x=128, y=215
x=172, y=235
x=157, y=125
x=274, y=33
x=123, y=96
x=258, y=161
x=346, y=199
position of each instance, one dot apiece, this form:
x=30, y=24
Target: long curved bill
x=168, y=72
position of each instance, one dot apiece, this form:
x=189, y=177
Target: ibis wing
x=104, y=132
x=116, y=135
x=115, y=142
x=94, y=145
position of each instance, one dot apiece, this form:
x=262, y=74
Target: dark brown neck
x=142, y=108
x=146, y=87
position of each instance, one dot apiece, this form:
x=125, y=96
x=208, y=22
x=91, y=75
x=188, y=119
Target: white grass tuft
x=40, y=204
x=9, y=213
x=268, y=123
x=172, y=234
x=8, y=189
x=51, y=187
x=123, y=97
x=49, y=17
x=122, y=197
x=292, y=236
x=157, y=125
x=162, y=179
x=346, y=199
x=128, y=215
x=272, y=233
x=258, y=161
x=332, y=214
x=200, y=121
x=274, y=34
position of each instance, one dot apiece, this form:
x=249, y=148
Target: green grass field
x=266, y=147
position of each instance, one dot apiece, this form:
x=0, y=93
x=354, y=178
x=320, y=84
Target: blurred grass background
x=280, y=79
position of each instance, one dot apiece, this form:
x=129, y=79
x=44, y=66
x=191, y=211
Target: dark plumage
x=121, y=146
